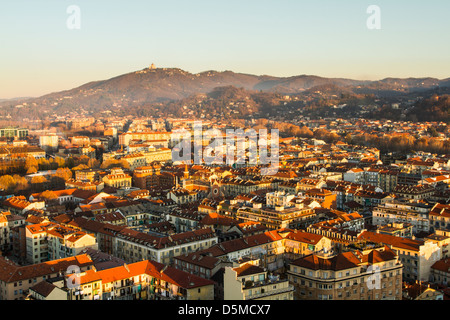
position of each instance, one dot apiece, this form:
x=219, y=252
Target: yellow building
x=117, y=179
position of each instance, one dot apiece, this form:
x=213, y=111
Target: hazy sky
x=39, y=54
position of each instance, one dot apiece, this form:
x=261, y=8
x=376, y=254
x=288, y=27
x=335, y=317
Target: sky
x=40, y=54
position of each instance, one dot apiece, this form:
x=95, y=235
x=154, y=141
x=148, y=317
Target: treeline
x=404, y=143
x=17, y=184
x=436, y=108
x=386, y=143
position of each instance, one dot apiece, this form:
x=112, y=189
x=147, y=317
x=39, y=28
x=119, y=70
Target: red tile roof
x=10, y=272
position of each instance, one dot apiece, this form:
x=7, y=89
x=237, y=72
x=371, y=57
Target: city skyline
x=282, y=38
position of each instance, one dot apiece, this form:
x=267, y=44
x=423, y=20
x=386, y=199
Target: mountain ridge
x=163, y=85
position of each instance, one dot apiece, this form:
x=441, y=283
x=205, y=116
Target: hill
x=152, y=88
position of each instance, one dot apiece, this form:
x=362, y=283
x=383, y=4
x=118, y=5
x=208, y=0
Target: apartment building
x=440, y=272
x=50, y=241
x=15, y=280
x=202, y=265
x=355, y=175
x=355, y=275
x=117, y=179
x=414, y=192
x=20, y=205
x=134, y=246
x=48, y=290
x=416, y=256
x=4, y=233
x=143, y=280
x=440, y=217
x=249, y=281
x=105, y=233
x=126, y=138
x=134, y=160
x=277, y=217
x=235, y=187
x=184, y=220
x=398, y=211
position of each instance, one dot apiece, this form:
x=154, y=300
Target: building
x=440, y=272
x=117, y=179
x=355, y=275
x=355, y=175
x=143, y=280
x=414, y=192
x=16, y=280
x=249, y=281
x=408, y=211
x=133, y=246
x=404, y=230
x=278, y=217
x=20, y=205
x=50, y=241
x=421, y=291
x=49, y=142
x=201, y=265
x=416, y=256
x=13, y=133
x=440, y=217
x=181, y=195
x=134, y=160
x=150, y=137
x=49, y=290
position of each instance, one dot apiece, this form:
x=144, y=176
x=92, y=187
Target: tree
x=31, y=162
x=80, y=167
x=32, y=170
x=64, y=173
x=48, y=195
x=7, y=182
x=93, y=163
x=38, y=183
x=21, y=183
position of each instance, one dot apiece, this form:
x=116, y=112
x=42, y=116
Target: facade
x=49, y=142
x=415, y=213
x=249, y=281
x=416, y=256
x=50, y=241
x=49, y=290
x=201, y=265
x=126, y=138
x=414, y=192
x=368, y=275
x=13, y=133
x=144, y=280
x=16, y=280
x=440, y=272
x=134, y=246
x=276, y=217
x=440, y=217
x=117, y=179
